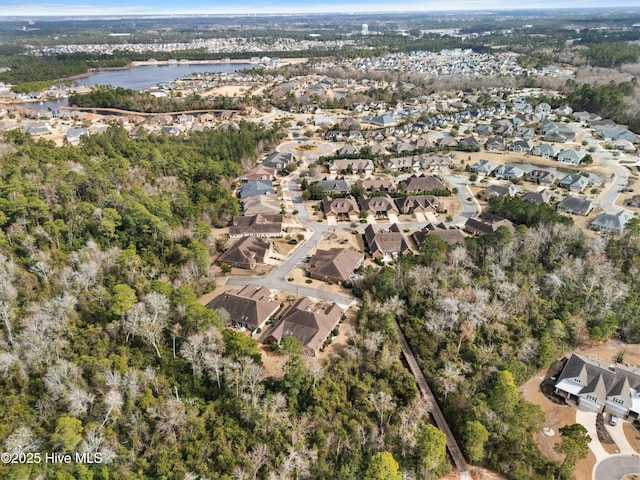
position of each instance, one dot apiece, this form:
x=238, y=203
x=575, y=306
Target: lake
x=147, y=76
x=140, y=77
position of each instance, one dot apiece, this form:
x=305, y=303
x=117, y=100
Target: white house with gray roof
x=611, y=223
x=572, y=156
x=599, y=386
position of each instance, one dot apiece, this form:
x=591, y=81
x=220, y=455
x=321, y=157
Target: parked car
x=613, y=421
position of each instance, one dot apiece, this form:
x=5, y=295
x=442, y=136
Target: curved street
x=620, y=177
x=616, y=467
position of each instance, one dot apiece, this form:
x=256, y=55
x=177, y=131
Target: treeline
x=140, y=101
x=105, y=353
x=612, y=54
x=483, y=317
x=607, y=100
x=526, y=213
x=25, y=69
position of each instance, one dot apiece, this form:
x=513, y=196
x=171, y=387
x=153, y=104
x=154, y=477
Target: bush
x=308, y=280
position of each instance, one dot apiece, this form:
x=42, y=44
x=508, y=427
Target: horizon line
x=161, y=14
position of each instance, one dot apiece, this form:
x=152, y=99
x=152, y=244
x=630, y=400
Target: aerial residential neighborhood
x=320, y=245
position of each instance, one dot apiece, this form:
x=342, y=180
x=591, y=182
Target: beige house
x=249, y=307
x=311, y=323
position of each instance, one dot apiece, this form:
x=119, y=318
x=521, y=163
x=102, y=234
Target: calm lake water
x=139, y=78
x=146, y=76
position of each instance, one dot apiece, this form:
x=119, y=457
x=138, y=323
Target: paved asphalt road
x=471, y=207
x=616, y=466
x=620, y=174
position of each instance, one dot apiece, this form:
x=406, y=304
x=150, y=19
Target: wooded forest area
x=104, y=349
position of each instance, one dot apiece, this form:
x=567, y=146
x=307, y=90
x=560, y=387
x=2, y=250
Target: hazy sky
x=149, y=7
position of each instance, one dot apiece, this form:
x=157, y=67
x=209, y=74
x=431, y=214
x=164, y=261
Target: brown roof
x=378, y=184
x=335, y=264
x=423, y=183
x=246, y=252
x=383, y=203
x=414, y=203
x=487, y=224
x=386, y=242
x=449, y=235
x=261, y=224
x=340, y=206
x=259, y=172
x=250, y=307
x=308, y=322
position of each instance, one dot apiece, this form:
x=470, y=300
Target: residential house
x=525, y=133
x=341, y=208
x=349, y=166
x=246, y=253
x=431, y=162
x=611, y=222
x=600, y=387
x=635, y=201
x=402, y=147
x=336, y=264
x=170, y=130
x=541, y=177
x=75, y=134
x=37, y=128
x=259, y=172
x=575, y=182
x=575, y=206
x=521, y=146
x=495, y=144
x=499, y=190
x=379, y=149
x=311, y=323
x=487, y=223
x=261, y=204
x=334, y=136
x=617, y=133
x=483, y=129
x=378, y=184
x=447, y=142
x=585, y=117
x=251, y=307
x=380, y=207
x=401, y=164
x=263, y=225
x=538, y=198
x=483, y=167
x=386, y=244
x=421, y=183
x=337, y=186
x=385, y=120
x=278, y=161
x=508, y=172
x=502, y=127
x=419, y=204
x=469, y=143
x=572, y=156
x=256, y=187
x=545, y=150
x=347, y=150
x=450, y=235
x=623, y=145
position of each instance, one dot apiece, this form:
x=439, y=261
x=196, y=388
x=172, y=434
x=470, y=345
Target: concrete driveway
x=588, y=420
x=618, y=436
